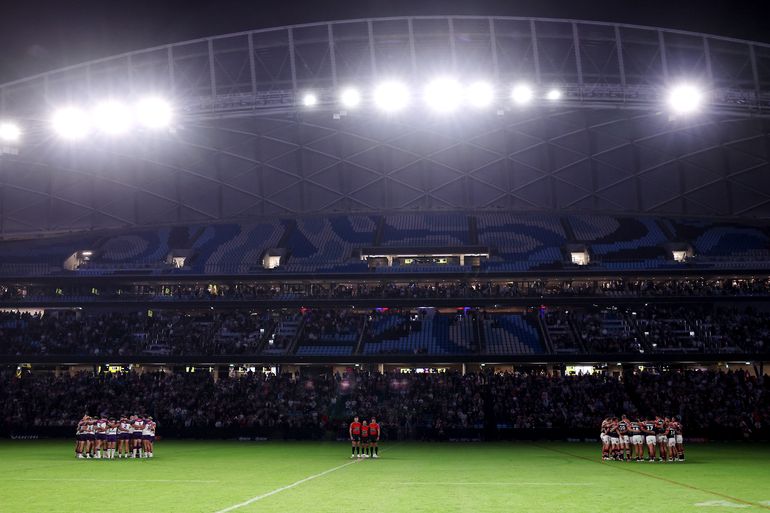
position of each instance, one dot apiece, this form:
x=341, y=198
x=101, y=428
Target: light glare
x=684, y=99
x=153, y=113
x=553, y=95
x=71, y=123
x=480, y=94
x=9, y=132
x=443, y=95
x=112, y=118
x=350, y=97
x=522, y=94
x=309, y=100
x=391, y=96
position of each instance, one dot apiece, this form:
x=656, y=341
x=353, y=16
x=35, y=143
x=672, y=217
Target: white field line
x=287, y=487
x=489, y=483
x=115, y=480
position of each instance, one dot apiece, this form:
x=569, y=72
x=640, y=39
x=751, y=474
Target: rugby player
x=110, y=439
x=660, y=436
x=137, y=426
x=637, y=440
x=679, y=439
x=648, y=428
x=614, y=439
x=374, y=437
x=124, y=437
x=90, y=437
x=625, y=441
x=605, y=438
x=148, y=437
x=354, y=431
x=671, y=439
x=80, y=437
x=101, y=436
x=365, y=439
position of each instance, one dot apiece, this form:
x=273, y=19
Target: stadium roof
x=245, y=145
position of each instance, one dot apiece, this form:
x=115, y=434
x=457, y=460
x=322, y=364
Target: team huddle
x=364, y=437
x=129, y=437
x=624, y=439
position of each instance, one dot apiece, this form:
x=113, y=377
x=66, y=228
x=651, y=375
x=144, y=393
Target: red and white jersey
x=91, y=426
x=112, y=428
x=124, y=427
x=138, y=425
x=101, y=425
x=81, y=429
x=149, y=428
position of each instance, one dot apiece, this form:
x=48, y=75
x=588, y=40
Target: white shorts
x=679, y=439
x=662, y=439
x=672, y=442
x=650, y=439
x=605, y=438
x=637, y=440
x=614, y=440
x=624, y=439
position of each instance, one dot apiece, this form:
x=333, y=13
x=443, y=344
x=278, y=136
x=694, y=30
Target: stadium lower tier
x=408, y=406
x=308, y=332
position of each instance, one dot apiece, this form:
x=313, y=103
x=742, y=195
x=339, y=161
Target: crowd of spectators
x=409, y=406
x=637, y=329
x=688, y=287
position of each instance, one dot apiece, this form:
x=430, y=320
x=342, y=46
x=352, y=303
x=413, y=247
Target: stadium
x=503, y=238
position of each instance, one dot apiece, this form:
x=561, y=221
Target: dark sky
x=39, y=35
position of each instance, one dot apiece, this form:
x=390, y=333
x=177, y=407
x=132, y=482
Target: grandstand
x=577, y=215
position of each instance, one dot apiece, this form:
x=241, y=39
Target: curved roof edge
x=388, y=18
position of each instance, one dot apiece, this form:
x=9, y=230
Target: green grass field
x=38, y=476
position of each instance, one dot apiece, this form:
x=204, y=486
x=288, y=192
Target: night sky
x=40, y=35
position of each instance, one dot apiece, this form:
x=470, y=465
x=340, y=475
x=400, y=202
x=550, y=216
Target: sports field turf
x=37, y=476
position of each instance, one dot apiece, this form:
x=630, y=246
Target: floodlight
x=684, y=98
x=391, y=96
x=309, y=99
x=153, y=112
x=480, y=94
x=350, y=97
x=112, y=118
x=553, y=95
x=9, y=132
x=522, y=94
x=443, y=95
x=71, y=123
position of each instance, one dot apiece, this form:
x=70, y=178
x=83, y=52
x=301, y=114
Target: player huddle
x=624, y=439
x=364, y=437
x=128, y=437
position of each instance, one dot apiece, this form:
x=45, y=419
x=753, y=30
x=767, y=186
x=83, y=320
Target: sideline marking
x=489, y=483
x=281, y=489
x=659, y=478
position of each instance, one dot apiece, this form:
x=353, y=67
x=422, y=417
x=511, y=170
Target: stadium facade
x=252, y=190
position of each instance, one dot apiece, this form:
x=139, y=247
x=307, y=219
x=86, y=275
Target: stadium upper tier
x=259, y=129
x=399, y=243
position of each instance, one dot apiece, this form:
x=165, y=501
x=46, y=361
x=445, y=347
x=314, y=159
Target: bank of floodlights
x=522, y=94
x=350, y=97
x=480, y=94
x=111, y=117
x=391, y=96
x=443, y=95
x=553, y=95
x=684, y=98
x=10, y=132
